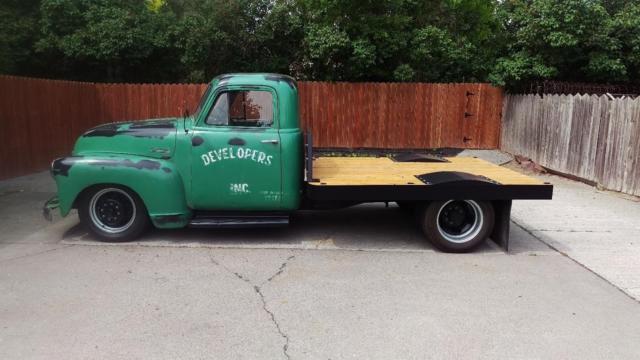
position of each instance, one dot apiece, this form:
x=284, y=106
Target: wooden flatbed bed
x=418, y=179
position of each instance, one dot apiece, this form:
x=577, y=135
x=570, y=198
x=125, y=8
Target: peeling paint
x=62, y=166
x=236, y=141
x=197, y=140
x=140, y=165
x=143, y=129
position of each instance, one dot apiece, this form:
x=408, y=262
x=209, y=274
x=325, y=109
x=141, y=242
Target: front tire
x=113, y=213
x=457, y=225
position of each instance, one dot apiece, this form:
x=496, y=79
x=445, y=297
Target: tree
x=105, y=39
x=507, y=42
x=397, y=40
x=570, y=40
x=626, y=27
x=18, y=31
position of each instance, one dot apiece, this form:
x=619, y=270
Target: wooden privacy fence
x=40, y=119
x=593, y=137
x=401, y=115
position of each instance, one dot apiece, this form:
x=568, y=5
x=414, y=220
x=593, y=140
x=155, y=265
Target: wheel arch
x=96, y=186
x=156, y=182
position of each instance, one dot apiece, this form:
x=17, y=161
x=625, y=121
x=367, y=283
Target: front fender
x=156, y=181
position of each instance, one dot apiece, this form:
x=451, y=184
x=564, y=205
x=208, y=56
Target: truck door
x=235, y=151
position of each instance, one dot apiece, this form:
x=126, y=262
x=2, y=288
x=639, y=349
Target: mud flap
x=500, y=233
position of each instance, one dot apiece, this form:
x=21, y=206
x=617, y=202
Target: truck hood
x=153, y=138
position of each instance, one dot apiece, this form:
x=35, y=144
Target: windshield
x=204, y=97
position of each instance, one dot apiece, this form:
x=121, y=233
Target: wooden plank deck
x=384, y=171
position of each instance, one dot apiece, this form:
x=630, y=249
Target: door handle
x=271, y=141
x=160, y=150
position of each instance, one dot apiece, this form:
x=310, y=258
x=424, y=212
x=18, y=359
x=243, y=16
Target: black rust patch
x=153, y=124
x=152, y=129
x=197, y=140
x=145, y=129
x=166, y=169
x=140, y=165
x=62, y=166
x=236, y=141
x=107, y=130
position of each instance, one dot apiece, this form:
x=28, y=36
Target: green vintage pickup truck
x=241, y=160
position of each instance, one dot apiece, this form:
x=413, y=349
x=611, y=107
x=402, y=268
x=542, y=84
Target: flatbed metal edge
x=443, y=191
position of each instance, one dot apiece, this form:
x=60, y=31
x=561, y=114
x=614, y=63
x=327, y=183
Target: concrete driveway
x=357, y=283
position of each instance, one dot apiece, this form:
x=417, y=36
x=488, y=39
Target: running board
x=239, y=221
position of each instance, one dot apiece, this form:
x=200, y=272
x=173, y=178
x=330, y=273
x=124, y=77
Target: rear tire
x=457, y=225
x=113, y=213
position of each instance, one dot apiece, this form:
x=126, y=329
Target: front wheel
x=113, y=213
x=457, y=225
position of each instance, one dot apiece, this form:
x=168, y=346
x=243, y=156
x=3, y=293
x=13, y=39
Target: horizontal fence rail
x=41, y=118
x=596, y=138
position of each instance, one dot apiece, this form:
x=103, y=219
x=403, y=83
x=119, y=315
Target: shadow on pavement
x=366, y=227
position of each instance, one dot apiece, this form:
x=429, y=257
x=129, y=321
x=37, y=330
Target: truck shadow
x=366, y=227
x=370, y=227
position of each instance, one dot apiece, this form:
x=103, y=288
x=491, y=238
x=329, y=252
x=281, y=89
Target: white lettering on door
x=239, y=188
x=239, y=153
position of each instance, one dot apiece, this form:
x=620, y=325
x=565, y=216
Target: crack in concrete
x=280, y=270
x=285, y=347
x=572, y=231
x=36, y=253
x=258, y=290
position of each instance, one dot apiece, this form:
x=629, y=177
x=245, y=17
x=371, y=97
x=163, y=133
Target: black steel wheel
x=113, y=213
x=457, y=225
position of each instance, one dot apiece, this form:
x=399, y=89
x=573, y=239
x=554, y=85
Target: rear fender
x=156, y=181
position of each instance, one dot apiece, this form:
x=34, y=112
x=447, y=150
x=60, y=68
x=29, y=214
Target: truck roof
x=254, y=79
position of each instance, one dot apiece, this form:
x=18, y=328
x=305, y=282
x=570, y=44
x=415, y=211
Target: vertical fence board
x=592, y=137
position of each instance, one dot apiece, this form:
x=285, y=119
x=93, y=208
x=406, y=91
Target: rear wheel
x=457, y=225
x=113, y=213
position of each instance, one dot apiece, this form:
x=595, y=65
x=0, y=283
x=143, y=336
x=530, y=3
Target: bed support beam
x=500, y=233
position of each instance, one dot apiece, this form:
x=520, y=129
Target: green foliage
x=18, y=31
x=626, y=27
x=115, y=40
x=572, y=40
x=437, y=56
x=507, y=42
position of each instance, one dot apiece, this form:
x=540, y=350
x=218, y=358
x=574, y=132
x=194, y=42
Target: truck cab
x=239, y=160
x=244, y=145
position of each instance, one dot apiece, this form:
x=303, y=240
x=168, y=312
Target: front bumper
x=49, y=206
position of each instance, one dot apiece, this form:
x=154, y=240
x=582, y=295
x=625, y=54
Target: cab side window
x=242, y=108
